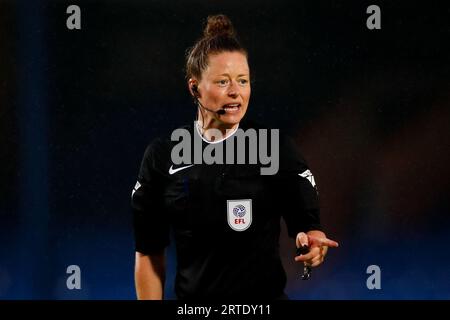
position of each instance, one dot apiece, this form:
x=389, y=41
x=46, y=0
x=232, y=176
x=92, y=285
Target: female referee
x=224, y=218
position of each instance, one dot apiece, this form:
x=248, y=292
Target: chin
x=231, y=119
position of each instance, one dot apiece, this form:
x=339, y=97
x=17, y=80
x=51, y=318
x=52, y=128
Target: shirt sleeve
x=303, y=212
x=150, y=222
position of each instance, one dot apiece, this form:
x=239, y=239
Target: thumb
x=301, y=240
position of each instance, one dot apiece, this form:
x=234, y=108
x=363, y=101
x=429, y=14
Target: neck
x=206, y=123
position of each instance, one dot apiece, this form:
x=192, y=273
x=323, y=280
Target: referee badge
x=239, y=214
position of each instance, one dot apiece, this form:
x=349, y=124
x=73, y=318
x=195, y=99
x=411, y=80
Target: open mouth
x=232, y=107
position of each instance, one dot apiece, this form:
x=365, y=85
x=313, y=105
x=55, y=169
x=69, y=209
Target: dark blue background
x=369, y=110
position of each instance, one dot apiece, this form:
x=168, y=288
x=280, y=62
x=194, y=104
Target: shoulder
x=289, y=153
x=163, y=143
x=251, y=124
x=154, y=148
x=158, y=150
x=285, y=139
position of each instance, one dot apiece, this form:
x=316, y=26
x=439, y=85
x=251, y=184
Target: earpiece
x=195, y=90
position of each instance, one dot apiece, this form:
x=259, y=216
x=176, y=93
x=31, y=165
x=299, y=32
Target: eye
x=243, y=81
x=222, y=82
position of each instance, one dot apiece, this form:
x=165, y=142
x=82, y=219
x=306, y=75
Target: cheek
x=246, y=95
x=215, y=95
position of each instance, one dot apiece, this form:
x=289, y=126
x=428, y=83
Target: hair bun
x=218, y=25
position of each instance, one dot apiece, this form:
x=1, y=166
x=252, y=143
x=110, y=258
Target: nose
x=233, y=89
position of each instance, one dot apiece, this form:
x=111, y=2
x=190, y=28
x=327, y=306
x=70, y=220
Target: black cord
x=197, y=103
x=306, y=269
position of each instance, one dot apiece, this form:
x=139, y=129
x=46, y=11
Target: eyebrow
x=239, y=75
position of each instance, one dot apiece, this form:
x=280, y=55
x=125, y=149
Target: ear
x=192, y=82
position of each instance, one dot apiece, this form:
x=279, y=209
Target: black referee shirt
x=225, y=219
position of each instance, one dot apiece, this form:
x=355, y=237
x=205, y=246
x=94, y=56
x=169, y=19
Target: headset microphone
x=195, y=90
x=220, y=112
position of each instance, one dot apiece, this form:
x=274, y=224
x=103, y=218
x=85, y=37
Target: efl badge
x=239, y=214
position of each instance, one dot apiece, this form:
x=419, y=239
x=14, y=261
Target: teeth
x=232, y=105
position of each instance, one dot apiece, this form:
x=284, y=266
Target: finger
x=327, y=242
x=314, y=262
x=311, y=254
x=316, y=259
x=301, y=240
x=317, y=263
x=303, y=257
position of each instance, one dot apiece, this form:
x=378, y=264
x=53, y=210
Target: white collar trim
x=213, y=142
